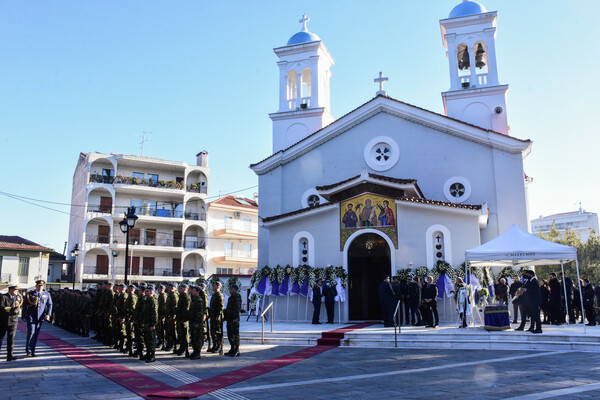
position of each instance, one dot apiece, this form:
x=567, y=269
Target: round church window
x=313, y=200
x=457, y=189
x=381, y=153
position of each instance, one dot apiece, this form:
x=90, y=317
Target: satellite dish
x=201, y=271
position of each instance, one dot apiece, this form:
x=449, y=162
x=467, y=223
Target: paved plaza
x=331, y=373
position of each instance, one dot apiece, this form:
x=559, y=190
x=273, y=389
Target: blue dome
x=302, y=37
x=467, y=8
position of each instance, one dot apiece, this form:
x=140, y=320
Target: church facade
x=390, y=185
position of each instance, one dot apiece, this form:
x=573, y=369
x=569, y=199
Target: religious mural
x=368, y=211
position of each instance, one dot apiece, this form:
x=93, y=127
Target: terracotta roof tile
x=300, y=211
x=441, y=203
x=230, y=200
x=17, y=242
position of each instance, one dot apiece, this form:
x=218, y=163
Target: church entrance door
x=368, y=261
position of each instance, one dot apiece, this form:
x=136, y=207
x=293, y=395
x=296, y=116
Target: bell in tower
x=480, y=56
x=463, y=59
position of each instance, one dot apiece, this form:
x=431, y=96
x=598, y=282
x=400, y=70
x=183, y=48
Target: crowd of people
x=135, y=320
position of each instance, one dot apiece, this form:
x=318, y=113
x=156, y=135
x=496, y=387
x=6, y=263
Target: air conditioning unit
x=465, y=85
x=304, y=106
x=237, y=214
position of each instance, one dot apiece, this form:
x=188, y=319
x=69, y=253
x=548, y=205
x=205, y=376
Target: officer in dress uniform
x=37, y=309
x=232, y=314
x=10, y=304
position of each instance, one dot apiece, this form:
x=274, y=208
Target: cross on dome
x=303, y=21
x=380, y=80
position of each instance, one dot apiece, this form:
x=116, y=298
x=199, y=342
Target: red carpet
x=147, y=387
x=220, y=381
x=139, y=384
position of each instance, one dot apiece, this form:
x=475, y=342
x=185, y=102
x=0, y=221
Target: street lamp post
x=126, y=225
x=74, y=254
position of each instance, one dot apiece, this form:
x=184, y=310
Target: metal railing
x=195, y=216
x=101, y=209
x=397, y=327
x=262, y=316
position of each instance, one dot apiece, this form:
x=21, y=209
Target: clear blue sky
x=81, y=76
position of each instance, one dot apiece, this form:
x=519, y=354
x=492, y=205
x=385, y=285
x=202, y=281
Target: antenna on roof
x=144, y=137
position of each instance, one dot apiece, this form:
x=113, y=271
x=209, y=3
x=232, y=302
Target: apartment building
x=232, y=236
x=168, y=241
x=581, y=222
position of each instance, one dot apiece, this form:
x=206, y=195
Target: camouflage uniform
x=183, y=306
x=107, y=323
x=87, y=310
x=206, y=318
x=216, y=319
x=138, y=319
x=120, y=329
x=170, y=311
x=150, y=318
x=160, y=325
x=130, y=305
x=197, y=310
x=232, y=313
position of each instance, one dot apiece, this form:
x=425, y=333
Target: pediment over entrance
x=370, y=183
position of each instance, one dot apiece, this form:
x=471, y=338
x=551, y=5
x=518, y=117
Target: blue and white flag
x=445, y=286
x=304, y=287
x=472, y=279
x=262, y=285
x=275, y=287
x=295, y=289
x=283, y=288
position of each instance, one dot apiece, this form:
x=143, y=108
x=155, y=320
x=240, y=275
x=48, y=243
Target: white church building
x=390, y=185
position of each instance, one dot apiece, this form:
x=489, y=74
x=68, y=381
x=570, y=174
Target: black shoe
x=213, y=350
x=235, y=354
x=590, y=324
x=150, y=358
x=536, y=331
x=195, y=355
x=175, y=351
x=519, y=329
x=428, y=326
x=11, y=358
x=180, y=352
x=168, y=348
x=515, y=322
x=316, y=323
x=143, y=357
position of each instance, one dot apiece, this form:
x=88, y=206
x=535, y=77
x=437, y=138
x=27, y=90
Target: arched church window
x=313, y=200
x=303, y=250
x=292, y=85
x=438, y=247
x=306, y=83
x=457, y=189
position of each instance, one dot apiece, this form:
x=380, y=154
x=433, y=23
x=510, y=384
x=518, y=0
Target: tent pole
x=564, y=284
x=580, y=296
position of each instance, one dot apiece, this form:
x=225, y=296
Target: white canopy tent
x=516, y=247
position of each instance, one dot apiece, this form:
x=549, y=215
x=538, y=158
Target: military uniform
x=232, y=314
x=170, y=311
x=160, y=325
x=216, y=319
x=37, y=306
x=150, y=318
x=130, y=304
x=196, y=313
x=10, y=307
x=183, y=306
x=138, y=321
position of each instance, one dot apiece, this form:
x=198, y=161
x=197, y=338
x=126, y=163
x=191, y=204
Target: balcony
x=99, y=209
x=196, y=188
x=235, y=229
x=148, y=274
x=151, y=212
x=194, y=244
x=97, y=178
x=237, y=256
x=99, y=239
x=195, y=216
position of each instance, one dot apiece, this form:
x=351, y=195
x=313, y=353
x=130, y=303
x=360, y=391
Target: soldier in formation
x=139, y=320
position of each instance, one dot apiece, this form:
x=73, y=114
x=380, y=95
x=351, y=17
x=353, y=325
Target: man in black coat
x=10, y=304
x=414, y=298
x=588, y=302
x=329, y=292
x=386, y=299
x=567, y=285
x=316, y=300
x=429, y=294
x=532, y=301
x=407, y=313
x=514, y=288
x=555, y=300
x=502, y=291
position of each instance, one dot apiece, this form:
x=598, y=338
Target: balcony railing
x=102, y=239
x=94, y=208
x=195, y=216
x=193, y=244
x=163, y=184
x=152, y=212
x=97, y=178
x=196, y=188
x=96, y=270
x=238, y=253
x=244, y=226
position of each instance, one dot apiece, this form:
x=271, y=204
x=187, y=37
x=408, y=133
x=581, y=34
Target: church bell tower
x=304, y=98
x=475, y=95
